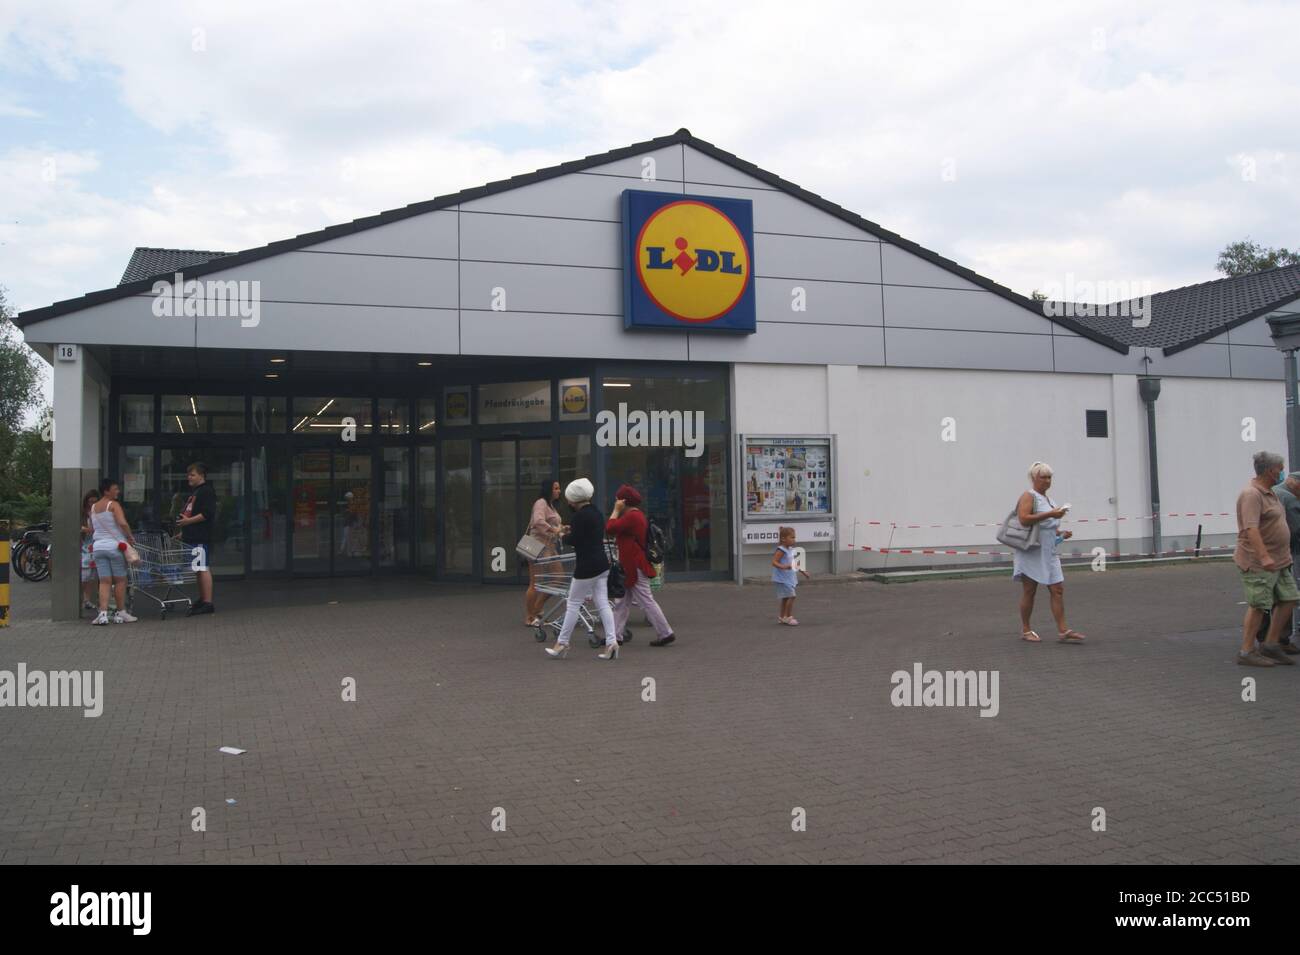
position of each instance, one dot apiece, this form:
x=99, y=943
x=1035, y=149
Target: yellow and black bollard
x=4, y=573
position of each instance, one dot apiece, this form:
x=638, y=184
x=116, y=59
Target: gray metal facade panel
x=574, y=336
x=1205, y=360
x=923, y=348
x=833, y=303
x=809, y=344
x=432, y=235
x=349, y=328
x=915, y=307
x=1074, y=353
x=1256, y=361
x=667, y=165
x=123, y=321
x=509, y=238
x=904, y=268
x=569, y=197
x=542, y=288
x=349, y=279
x=780, y=213
x=802, y=257
x=706, y=170
x=1254, y=332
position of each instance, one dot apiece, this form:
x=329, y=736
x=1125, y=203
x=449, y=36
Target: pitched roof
x=682, y=136
x=146, y=262
x=1187, y=316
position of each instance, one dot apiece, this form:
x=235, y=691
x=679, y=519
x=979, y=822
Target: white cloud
x=1105, y=141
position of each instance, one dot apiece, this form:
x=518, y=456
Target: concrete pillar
x=843, y=411
x=80, y=397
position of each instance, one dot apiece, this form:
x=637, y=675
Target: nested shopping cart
x=165, y=564
x=554, y=577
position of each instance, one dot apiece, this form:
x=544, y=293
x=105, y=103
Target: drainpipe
x=1149, y=389
x=1292, y=418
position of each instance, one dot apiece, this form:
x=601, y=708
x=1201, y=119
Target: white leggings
x=597, y=588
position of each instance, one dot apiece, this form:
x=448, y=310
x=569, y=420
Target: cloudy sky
x=1105, y=141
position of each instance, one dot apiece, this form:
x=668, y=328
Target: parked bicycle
x=30, y=556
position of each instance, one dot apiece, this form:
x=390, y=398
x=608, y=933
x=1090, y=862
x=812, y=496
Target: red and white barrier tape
x=1008, y=553
x=1067, y=520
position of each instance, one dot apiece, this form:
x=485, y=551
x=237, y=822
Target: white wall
x=895, y=467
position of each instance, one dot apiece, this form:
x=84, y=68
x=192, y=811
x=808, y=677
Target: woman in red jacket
x=629, y=527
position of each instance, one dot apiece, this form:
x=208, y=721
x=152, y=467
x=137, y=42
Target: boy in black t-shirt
x=195, y=522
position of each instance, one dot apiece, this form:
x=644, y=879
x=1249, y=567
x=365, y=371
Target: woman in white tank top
x=109, y=529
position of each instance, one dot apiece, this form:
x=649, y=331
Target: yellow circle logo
x=458, y=405
x=692, y=261
x=575, y=399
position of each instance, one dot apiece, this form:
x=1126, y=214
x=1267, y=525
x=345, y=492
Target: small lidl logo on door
x=689, y=262
x=574, y=399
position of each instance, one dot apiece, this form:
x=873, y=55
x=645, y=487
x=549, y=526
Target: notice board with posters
x=787, y=477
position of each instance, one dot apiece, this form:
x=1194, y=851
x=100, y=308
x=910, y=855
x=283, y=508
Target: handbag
x=530, y=548
x=617, y=583
x=1017, y=535
x=132, y=555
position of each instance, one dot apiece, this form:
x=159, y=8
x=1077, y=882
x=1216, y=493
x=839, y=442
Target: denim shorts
x=198, y=557
x=110, y=563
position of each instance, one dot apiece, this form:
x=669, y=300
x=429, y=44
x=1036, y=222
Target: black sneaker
x=664, y=641
x=200, y=608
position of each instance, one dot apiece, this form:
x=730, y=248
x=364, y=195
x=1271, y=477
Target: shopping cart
x=554, y=577
x=165, y=564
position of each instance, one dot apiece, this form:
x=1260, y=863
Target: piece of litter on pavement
x=231, y=751
x=230, y=802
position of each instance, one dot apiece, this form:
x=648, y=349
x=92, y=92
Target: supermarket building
x=387, y=395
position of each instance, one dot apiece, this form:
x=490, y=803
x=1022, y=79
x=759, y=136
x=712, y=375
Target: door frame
x=514, y=437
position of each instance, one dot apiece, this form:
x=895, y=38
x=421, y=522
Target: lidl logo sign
x=689, y=262
x=574, y=399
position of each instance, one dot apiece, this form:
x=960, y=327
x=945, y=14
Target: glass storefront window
x=458, y=506
x=392, y=416
x=685, y=496
x=225, y=472
x=269, y=415
x=426, y=477
x=395, y=510
x=428, y=416
x=135, y=474
x=667, y=394
x=575, y=459
x=203, y=414
x=135, y=413
x=270, y=507
x=323, y=416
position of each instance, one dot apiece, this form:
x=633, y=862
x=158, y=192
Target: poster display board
x=787, y=477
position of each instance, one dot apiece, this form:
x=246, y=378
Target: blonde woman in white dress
x=1041, y=564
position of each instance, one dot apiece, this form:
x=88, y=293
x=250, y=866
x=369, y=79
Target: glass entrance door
x=510, y=478
x=331, y=512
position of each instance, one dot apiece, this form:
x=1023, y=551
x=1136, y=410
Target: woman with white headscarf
x=590, y=570
x=1041, y=564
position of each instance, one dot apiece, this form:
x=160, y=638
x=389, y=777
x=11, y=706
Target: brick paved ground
x=459, y=712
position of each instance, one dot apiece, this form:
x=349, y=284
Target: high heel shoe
x=559, y=654
x=611, y=652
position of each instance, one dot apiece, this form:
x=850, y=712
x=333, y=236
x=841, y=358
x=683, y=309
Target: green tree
x=1244, y=257
x=25, y=455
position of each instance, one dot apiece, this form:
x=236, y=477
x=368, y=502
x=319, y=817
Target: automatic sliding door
x=351, y=512
x=500, y=489
x=312, y=510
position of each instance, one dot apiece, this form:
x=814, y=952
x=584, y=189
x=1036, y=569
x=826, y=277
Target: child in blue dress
x=784, y=576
